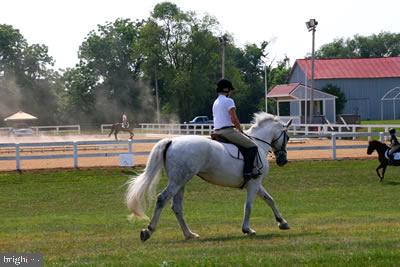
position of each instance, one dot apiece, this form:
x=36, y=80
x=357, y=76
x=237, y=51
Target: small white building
x=291, y=102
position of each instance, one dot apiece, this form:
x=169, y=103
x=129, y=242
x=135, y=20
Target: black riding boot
x=249, y=158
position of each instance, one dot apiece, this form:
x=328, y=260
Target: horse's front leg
x=252, y=187
x=377, y=171
x=283, y=225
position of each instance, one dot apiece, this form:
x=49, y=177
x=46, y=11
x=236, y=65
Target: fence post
x=369, y=131
x=130, y=146
x=75, y=145
x=354, y=131
x=17, y=157
x=333, y=146
x=386, y=130
x=381, y=136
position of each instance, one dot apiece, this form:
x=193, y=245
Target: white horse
x=186, y=156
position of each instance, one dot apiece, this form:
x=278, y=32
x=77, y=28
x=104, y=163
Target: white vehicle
x=22, y=132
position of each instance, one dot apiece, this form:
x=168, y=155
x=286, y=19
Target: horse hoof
x=284, y=226
x=249, y=231
x=144, y=234
x=192, y=236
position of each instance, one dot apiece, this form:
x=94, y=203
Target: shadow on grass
x=391, y=183
x=255, y=237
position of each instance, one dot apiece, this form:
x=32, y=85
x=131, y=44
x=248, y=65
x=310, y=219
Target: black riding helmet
x=224, y=84
x=392, y=131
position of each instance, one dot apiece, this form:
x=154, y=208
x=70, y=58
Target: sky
x=62, y=25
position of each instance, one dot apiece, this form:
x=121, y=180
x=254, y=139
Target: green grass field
x=380, y=122
x=339, y=213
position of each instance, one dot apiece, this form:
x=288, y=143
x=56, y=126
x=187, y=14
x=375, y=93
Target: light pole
x=157, y=97
x=311, y=26
x=222, y=40
x=266, y=88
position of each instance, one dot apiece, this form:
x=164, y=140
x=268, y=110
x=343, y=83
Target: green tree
x=384, y=44
x=107, y=65
x=26, y=80
x=277, y=75
x=184, y=58
x=250, y=62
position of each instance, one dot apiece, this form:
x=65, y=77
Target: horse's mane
x=376, y=144
x=261, y=117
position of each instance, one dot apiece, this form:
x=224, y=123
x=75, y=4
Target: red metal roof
x=345, y=68
x=282, y=89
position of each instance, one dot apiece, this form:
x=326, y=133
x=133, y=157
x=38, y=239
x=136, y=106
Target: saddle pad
x=396, y=155
x=233, y=151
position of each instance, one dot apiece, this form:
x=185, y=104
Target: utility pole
x=222, y=40
x=157, y=99
x=311, y=26
x=266, y=88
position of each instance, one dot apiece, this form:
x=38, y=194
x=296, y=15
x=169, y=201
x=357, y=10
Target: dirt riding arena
x=8, y=165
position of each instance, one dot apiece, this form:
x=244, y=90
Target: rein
x=265, y=142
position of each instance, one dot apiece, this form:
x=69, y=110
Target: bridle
x=282, y=148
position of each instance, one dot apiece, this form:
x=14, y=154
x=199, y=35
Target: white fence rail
x=74, y=147
x=76, y=129
x=18, y=148
x=311, y=130
x=58, y=129
x=105, y=127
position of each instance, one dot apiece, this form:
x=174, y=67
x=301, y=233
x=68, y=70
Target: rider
x=125, y=123
x=227, y=124
x=394, y=143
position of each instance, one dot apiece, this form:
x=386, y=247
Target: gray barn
x=364, y=81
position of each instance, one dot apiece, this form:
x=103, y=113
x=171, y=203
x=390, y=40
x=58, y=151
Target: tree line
x=122, y=64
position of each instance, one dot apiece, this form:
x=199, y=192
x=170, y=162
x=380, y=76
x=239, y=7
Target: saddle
x=233, y=150
x=394, y=159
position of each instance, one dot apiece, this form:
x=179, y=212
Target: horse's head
x=370, y=148
x=279, y=144
x=271, y=131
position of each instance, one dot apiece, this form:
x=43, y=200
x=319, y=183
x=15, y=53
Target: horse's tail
x=112, y=130
x=145, y=183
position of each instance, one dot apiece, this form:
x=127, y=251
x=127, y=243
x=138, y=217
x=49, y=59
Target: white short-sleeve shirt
x=220, y=109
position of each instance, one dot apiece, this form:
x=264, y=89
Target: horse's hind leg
x=162, y=199
x=178, y=210
x=283, y=225
x=383, y=172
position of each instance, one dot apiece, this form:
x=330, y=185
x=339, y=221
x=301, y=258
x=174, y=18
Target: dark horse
x=117, y=127
x=381, y=148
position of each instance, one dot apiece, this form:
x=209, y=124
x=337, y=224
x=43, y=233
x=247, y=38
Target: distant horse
x=117, y=127
x=381, y=148
x=186, y=156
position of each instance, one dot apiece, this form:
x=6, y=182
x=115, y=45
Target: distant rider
x=125, y=123
x=394, y=143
